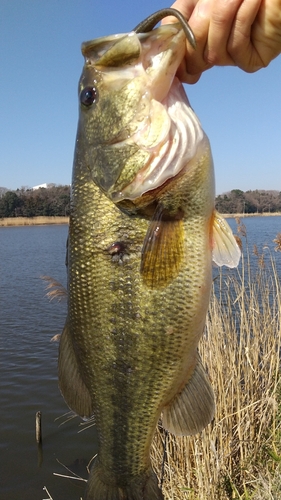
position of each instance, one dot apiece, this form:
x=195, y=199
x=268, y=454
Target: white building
x=45, y=185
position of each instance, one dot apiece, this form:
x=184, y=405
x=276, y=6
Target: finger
x=197, y=13
x=266, y=31
x=240, y=46
x=186, y=77
x=222, y=18
x=194, y=59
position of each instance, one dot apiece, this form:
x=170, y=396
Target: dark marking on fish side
x=118, y=248
x=118, y=251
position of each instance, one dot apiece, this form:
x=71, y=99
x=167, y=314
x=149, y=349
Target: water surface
x=28, y=370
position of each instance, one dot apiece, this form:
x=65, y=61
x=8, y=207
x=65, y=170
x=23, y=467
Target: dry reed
x=239, y=455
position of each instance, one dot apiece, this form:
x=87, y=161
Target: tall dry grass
x=239, y=455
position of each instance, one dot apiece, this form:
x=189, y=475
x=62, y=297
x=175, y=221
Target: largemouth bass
x=142, y=234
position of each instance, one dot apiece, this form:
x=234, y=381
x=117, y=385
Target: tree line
x=51, y=201
x=249, y=202
x=55, y=201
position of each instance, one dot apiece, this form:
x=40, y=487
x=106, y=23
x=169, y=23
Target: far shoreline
x=44, y=221
x=256, y=214
x=32, y=221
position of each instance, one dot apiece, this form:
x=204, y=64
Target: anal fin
x=71, y=384
x=193, y=408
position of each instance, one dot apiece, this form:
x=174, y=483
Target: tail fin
x=142, y=487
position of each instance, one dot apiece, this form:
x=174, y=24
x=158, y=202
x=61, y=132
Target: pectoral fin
x=193, y=409
x=226, y=251
x=163, y=250
x=71, y=383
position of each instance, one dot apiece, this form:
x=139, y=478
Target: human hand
x=243, y=33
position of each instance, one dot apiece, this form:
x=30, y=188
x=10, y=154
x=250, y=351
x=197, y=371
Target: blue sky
x=40, y=64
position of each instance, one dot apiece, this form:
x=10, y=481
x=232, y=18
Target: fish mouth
x=156, y=55
x=164, y=128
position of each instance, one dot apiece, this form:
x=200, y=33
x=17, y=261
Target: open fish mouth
x=161, y=133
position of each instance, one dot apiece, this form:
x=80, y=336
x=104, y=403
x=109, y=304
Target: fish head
x=133, y=111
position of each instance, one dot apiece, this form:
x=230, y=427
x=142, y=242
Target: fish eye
x=88, y=96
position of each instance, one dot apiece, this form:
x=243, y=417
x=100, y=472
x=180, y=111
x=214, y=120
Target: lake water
x=257, y=235
x=28, y=369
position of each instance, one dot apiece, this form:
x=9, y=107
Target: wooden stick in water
x=38, y=427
